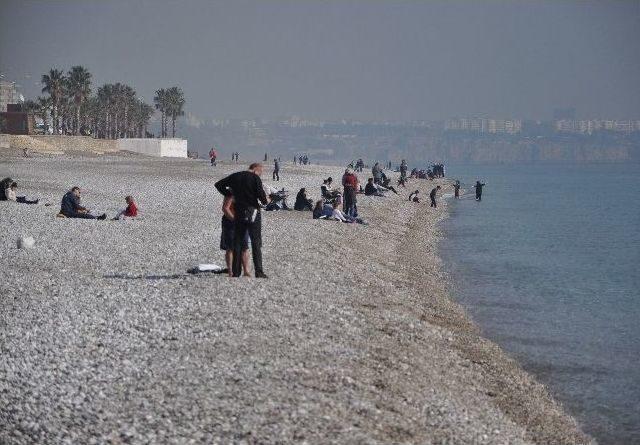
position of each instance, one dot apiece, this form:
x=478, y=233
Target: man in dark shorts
x=246, y=189
x=226, y=237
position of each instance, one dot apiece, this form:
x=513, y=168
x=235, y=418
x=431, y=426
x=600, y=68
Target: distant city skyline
x=370, y=61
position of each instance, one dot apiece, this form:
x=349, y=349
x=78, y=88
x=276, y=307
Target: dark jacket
x=70, y=204
x=245, y=187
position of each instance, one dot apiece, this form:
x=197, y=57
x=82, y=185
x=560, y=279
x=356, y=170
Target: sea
x=548, y=265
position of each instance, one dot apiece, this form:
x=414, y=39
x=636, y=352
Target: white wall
x=174, y=148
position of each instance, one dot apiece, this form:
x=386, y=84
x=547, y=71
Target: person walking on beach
x=71, y=208
x=276, y=170
x=456, y=189
x=478, y=187
x=247, y=191
x=432, y=196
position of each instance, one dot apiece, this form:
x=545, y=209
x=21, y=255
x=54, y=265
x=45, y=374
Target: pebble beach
x=354, y=338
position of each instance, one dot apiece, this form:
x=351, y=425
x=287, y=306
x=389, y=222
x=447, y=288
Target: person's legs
x=80, y=215
x=245, y=263
x=255, y=233
x=433, y=202
x=240, y=229
x=24, y=200
x=228, y=259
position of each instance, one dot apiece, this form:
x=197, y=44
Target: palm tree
x=44, y=109
x=79, y=88
x=54, y=85
x=176, y=106
x=162, y=104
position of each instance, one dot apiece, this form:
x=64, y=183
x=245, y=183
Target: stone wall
x=60, y=144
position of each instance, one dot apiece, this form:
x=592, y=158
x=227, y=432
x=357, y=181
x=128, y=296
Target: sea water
x=548, y=264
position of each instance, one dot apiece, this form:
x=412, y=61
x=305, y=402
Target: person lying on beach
x=130, y=212
x=226, y=237
x=414, y=196
x=10, y=194
x=71, y=208
x=302, y=202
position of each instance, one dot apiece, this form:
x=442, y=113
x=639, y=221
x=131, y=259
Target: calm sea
x=548, y=264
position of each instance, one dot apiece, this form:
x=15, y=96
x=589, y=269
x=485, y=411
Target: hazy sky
x=395, y=60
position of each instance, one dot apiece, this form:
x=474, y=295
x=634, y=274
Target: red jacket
x=132, y=210
x=350, y=180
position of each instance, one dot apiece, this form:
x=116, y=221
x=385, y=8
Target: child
x=131, y=211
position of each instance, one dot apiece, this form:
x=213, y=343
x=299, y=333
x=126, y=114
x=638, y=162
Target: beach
x=354, y=338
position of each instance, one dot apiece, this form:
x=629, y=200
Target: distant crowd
x=245, y=195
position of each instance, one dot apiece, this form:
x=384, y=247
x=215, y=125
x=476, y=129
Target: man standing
x=376, y=172
x=213, y=155
x=456, y=189
x=246, y=188
x=276, y=170
x=350, y=184
x=479, y=186
x=432, y=195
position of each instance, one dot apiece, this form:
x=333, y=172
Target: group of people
x=70, y=205
x=301, y=159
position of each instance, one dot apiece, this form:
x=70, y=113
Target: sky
x=367, y=60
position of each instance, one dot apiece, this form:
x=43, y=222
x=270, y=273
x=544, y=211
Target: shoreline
x=355, y=337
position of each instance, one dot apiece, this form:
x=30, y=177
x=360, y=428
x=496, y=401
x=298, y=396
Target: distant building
x=9, y=95
x=591, y=126
x=16, y=121
x=481, y=125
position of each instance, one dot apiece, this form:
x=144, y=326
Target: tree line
x=114, y=111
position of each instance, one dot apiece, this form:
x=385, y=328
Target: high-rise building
x=9, y=95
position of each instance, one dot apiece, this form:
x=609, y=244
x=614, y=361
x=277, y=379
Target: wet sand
x=354, y=338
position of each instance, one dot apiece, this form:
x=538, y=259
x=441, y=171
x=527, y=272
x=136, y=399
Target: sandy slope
x=352, y=339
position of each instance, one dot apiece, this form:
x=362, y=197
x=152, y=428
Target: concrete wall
x=174, y=148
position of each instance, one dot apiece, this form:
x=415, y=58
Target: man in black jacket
x=432, y=195
x=246, y=189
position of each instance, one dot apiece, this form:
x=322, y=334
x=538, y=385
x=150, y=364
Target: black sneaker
x=261, y=275
x=102, y=217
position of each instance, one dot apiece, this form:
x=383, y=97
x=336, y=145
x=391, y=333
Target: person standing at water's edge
x=246, y=188
x=456, y=189
x=432, y=195
x=478, y=187
x=276, y=170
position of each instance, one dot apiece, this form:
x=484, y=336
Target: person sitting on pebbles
x=10, y=194
x=70, y=206
x=130, y=212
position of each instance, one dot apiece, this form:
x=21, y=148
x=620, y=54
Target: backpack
x=4, y=184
